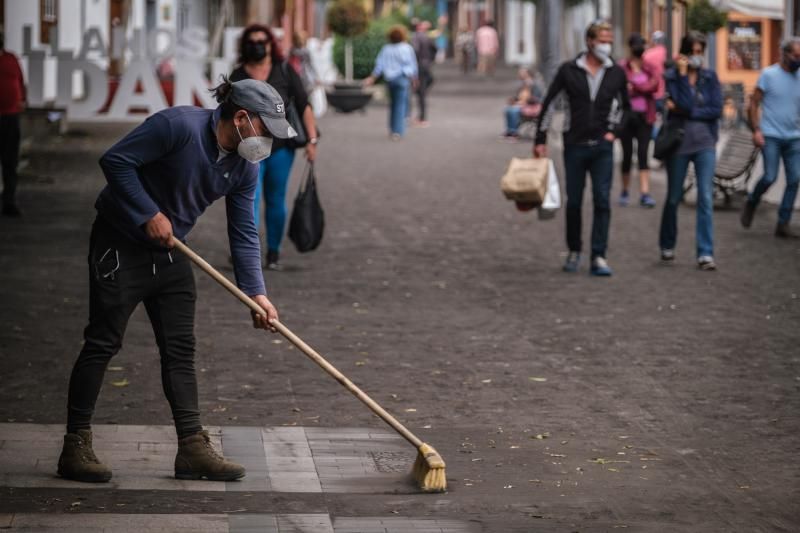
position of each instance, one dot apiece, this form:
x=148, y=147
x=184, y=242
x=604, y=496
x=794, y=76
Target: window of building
x=48, y=18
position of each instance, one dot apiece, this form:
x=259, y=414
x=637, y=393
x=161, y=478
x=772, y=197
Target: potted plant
x=348, y=20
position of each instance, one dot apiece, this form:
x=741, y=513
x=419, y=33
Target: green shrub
x=704, y=17
x=365, y=47
x=347, y=18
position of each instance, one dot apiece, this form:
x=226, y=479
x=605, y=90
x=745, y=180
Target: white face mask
x=254, y=149
x=602, y=51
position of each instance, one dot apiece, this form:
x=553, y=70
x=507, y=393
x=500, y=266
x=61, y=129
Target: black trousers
x=636, y=128
x=425, y=82
x=9, y=155
x=123, y=273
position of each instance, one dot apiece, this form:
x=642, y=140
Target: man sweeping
x=161, y=178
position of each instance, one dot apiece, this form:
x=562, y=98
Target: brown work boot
x=785, y=232
x=78, y=461
x=198, y=459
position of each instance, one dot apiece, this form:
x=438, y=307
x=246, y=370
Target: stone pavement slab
x=222, y=523
x=280, y=459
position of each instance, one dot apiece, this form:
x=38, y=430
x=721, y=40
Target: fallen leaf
x=411, y=410
x=540, y=380
x=486, y=381
x=361, y=363
x=612, y=470
x=115, y=369
x=121, y=383
x=277, y=341
x=514, y=447
x=541, y=436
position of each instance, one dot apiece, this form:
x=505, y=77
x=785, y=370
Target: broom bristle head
x=429, y=470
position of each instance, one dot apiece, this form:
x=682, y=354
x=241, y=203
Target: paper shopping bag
x=525, y=181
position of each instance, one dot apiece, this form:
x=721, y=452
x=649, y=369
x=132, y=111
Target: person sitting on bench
x=525, y=104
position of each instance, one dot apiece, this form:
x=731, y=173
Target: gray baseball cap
x=262, y=98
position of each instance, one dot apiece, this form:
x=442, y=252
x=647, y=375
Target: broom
x=428, y=471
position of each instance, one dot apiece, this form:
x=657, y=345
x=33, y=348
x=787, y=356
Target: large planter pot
x=347, y=97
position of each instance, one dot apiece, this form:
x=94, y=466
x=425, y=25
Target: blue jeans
x=598, y=161
x=774, y=149
x=513, y=119
x=398, y=104
x=273, y=178
x=704, y=162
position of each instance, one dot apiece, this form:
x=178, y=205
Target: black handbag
x=308, y=219
x=669, y=138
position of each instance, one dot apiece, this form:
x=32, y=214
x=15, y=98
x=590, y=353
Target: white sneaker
x=706, y=262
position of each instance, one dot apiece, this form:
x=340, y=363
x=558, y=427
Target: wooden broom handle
x=297, y=341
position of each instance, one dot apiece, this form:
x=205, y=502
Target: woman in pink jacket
x=642, y=86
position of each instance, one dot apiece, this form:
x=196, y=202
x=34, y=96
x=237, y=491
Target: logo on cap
x=279, y=107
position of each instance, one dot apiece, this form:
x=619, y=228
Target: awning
x=770, y=9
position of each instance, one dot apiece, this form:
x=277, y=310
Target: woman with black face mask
x=694, y=106
x=260, y=58
x=642, y=86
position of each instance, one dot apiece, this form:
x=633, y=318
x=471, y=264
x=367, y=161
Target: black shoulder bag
x=308, y=219
x=669, y=137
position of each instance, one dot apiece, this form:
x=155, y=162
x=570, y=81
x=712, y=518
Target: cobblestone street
x=661, y=399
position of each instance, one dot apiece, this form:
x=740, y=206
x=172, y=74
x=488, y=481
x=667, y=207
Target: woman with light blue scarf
x=397, y=64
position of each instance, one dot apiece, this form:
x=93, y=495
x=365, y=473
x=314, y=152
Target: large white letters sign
x=139, y=91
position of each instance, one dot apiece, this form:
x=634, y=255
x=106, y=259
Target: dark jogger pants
x=598, y=160
x=123, y=273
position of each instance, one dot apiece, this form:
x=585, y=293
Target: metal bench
x=734, y=168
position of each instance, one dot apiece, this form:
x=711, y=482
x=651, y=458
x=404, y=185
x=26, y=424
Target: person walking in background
x=487, y=44
x=777, y=94
x=465, y=49
x=425, y=50
x=260, y=58
x=527, y=101
x=642, y=85
x=397, y=64
x=596, y=90
x=694, y=99
x=300, y=60
x=655, y=58
x=12, y=103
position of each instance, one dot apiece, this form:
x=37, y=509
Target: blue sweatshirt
x=169, y=164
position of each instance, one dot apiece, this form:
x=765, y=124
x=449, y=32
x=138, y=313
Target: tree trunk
x=348, y=60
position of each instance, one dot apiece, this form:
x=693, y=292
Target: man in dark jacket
x=161, y=177
x=596, y=90
x=425, y=50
